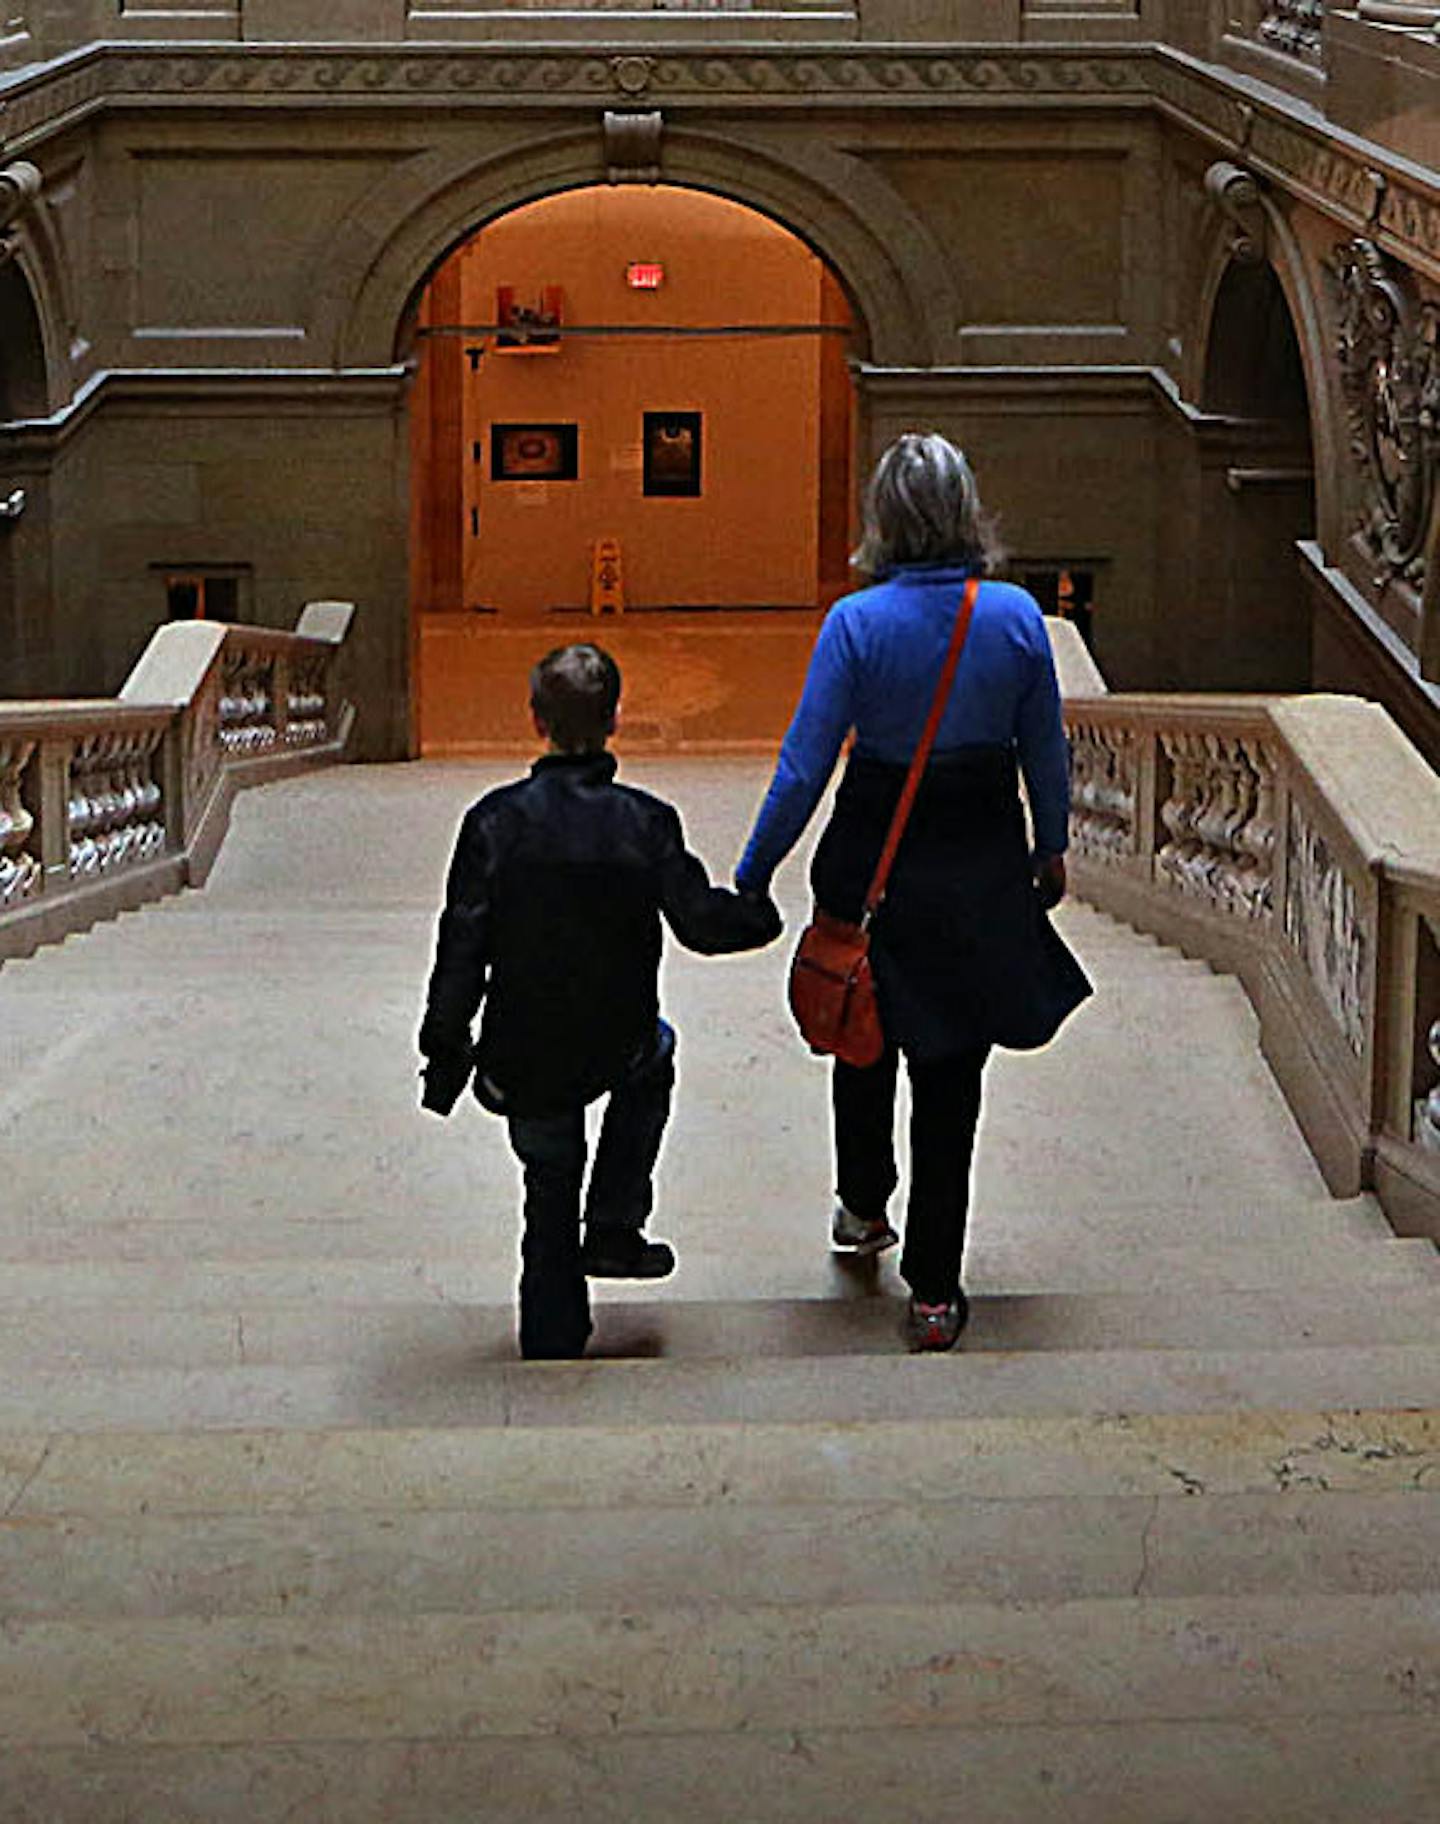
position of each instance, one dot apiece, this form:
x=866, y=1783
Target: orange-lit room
x=632, y=422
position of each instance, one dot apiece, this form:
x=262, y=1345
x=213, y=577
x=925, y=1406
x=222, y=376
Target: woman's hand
x=1050, y=879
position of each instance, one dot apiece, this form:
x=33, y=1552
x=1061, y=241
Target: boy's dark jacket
x=552, y=918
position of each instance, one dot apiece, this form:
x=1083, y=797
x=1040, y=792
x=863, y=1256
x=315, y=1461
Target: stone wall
x=231, y=237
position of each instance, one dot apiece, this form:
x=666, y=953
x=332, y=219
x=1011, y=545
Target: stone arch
x=883, y=256
x=1285, y=261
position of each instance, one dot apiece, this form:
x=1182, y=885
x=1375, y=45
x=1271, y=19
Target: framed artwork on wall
x=672, y=453
x=534, y=452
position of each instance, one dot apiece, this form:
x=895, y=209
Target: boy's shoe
x=934, y=1327
x=625, y=1254
x=852, y=1234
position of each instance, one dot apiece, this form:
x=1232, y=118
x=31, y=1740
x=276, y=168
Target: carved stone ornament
x=632, y=146
x=1294, y=28
x=632, y=75
x=1323, y=922
x=1388, y=344
x=20, y=185
x=1236, y=193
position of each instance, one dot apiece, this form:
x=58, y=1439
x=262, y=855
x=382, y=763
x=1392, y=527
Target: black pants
x=554, y=1297
x=945, y=1106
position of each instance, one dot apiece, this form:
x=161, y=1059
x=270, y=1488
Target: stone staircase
x=290, y=1534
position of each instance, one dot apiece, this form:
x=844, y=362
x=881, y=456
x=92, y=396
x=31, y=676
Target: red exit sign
x=645, y=275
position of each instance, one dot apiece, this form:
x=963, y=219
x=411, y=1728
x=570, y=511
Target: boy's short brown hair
x=575, y=691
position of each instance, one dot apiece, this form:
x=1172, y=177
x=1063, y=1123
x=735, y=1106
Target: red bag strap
x=922, y=751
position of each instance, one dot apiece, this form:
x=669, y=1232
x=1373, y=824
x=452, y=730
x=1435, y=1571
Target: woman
x=963, y=955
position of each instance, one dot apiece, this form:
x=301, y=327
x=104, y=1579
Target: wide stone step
x=702, y=1671
x=128, y=1475
x=1332, y=1769
x=642, y=1559
x=457, y=1387
x=187, y=1261
x=124, y=1333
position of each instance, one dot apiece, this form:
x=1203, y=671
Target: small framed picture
x=534, y=452
x=672, y=453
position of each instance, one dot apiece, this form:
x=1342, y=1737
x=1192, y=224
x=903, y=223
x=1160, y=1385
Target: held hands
x=1050, y=879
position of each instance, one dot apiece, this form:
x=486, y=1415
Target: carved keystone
x=632, y=146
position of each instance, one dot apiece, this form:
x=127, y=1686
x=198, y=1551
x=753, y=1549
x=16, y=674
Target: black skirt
x=962, y=951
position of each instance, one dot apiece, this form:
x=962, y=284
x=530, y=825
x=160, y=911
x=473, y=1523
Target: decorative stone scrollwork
x=1294, y=28
x=247, y=702
x=1322, y=921
x=1388, y=343
x=1102, y=792
x=1220, y=820
x=1236, y=193
x=116, y=815
x=20, y=871
x=306, y=721
x=20, y=185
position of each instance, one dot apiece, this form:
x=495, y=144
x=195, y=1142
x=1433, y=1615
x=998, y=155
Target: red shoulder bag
x=832, y=991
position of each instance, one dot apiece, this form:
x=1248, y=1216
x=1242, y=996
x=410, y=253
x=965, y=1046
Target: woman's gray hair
x=922, y=507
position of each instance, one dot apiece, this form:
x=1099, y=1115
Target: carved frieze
x=1324, y=924
x=1388, y=345
x=1278, y=143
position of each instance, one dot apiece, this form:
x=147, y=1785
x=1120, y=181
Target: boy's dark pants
x=554, y=1297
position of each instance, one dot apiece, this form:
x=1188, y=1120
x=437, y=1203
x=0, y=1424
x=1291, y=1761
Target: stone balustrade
x=106, y=804
x=1294, y=842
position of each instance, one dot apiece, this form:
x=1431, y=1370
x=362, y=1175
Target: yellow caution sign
x=607, y=582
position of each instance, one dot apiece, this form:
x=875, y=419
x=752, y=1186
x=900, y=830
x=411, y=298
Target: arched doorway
x=30, y=661
x=23, y=389
x=657, y=367
x=1254, y=611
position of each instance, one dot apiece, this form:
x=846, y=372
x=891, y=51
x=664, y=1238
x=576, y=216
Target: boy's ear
x=542, y=727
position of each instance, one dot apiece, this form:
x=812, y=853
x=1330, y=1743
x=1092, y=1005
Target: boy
x=552, y=918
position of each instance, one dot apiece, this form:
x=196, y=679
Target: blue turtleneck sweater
x=874, y=669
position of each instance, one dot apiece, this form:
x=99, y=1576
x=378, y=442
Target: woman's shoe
x=935, y=1327
x=852, y=1234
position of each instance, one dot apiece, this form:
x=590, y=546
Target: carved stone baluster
x=1322, y=922
x=20, y=872
x=1254, y=841
x=1427, y=1109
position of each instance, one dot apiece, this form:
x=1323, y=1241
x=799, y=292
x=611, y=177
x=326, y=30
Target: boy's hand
x=768, y=911
x=443, y=1082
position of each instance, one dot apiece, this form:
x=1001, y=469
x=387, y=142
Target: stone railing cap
x=1077, y=671
x=173, y=666
x=1373, y=777
x=325, y=621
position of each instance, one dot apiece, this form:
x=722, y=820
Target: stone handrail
x=1295, y=842
x=107, y=803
